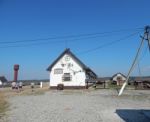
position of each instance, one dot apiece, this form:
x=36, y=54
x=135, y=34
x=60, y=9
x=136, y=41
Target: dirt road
x=81, y=106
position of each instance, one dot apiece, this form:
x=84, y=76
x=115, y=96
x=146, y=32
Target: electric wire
x=69, y=36
x=52, y=42
x=109, y=43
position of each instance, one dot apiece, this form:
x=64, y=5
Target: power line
x=52, y=42
x=140, y=74
x=31, y=44
x=144, y=54
x=108, y=44
x=140, y=59
x=69, y=36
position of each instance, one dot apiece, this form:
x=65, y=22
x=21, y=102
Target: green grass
x=112, y=86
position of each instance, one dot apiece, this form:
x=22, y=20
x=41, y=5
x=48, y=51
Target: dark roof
x=141, y=78
x=103, y=78
x=100, y=79
x=67, y=51
x=116, y=75
x=3, y=79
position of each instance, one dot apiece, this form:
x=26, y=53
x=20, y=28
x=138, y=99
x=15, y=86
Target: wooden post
x=87, y=85
x=95, y=85
x=104, y=84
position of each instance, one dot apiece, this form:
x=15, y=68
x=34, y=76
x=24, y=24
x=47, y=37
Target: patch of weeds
x=33, y=92
x=70, y=92
x=134, y=97
x=3, y=105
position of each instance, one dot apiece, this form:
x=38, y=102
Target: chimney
x=16, y=68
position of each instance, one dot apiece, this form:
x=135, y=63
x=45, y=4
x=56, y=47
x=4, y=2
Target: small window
x=58, y=71
x=119, y=78
x=69, y=65
x=62, y=65
x=67, y=77
x=67, y=58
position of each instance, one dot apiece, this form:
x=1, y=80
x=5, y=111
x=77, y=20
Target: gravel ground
x=81, y=106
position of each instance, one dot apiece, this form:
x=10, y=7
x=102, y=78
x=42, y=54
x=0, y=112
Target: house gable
x=66, y=64
x=114, y=77
x=68, y=53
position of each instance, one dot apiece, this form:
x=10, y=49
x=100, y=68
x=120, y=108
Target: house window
x=119, y=78
x=69, y=65
x=67, y=77
x=62, y=65
x=67, y=58
x=58, y=71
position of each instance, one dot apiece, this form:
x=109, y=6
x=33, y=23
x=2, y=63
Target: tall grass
x=3, y=105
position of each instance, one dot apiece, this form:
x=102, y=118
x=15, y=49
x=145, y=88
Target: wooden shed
x=142, y=82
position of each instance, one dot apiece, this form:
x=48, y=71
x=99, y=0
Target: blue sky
x=36, y=19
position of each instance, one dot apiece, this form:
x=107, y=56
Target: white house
x=119, y=78
x=68, y=70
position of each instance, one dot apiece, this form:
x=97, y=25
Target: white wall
x=1, y=83
x=78, y=79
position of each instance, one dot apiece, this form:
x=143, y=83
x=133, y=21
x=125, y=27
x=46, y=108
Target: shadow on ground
x=134, y=115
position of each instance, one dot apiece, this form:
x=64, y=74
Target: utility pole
x=148, y=35
x=144, y=37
